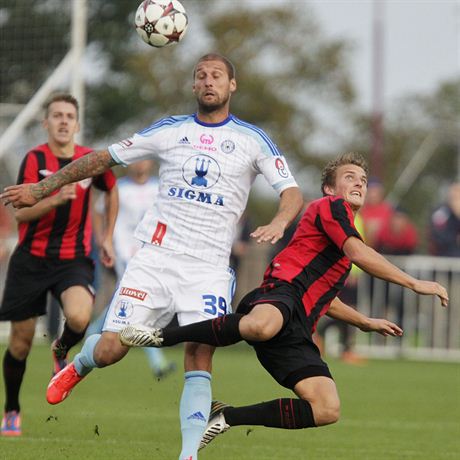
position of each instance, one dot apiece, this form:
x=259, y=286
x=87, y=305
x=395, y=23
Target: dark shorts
x=30, y=278
x=291, y=355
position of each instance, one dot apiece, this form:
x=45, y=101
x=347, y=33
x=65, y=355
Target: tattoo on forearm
x=87, y=166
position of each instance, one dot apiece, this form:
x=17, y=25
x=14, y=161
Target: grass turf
x=390, y=409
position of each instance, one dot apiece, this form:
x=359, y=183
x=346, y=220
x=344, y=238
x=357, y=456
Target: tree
x=421, y=148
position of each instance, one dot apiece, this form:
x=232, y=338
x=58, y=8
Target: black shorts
x=29, y=279
x=291, y=355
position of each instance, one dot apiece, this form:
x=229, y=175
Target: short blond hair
x=329, y=173
x=61, y=97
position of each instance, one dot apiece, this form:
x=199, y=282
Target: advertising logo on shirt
x=200, y=172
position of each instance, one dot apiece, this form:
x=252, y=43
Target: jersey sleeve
x=272, y=164
x=28, y=171
x=143, y=145
x=336, y=220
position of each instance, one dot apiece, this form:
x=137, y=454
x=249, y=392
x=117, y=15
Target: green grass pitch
x=390, y=410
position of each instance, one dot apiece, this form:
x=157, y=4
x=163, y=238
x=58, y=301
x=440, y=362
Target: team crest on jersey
x=124, y=309
x=282, y=171
x=227, y=146
x=201, y=171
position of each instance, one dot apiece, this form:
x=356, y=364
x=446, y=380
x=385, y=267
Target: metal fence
x=430, y=331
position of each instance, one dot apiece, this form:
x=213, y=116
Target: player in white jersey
x=137, y=190
x=208, y=162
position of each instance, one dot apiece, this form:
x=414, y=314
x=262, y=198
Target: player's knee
x=327, y=413
x=20, y=349
x=108, y=352
x=78, y=324
x=260, y=330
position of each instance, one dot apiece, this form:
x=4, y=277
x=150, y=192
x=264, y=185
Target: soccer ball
x=161, y=22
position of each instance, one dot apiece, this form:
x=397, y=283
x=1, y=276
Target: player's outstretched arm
x=376, y=265
x=25, y=195
x=291, y=203
x=339, y=310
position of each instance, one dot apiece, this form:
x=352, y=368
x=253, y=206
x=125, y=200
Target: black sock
x=13, y=371
x=68, y=339
x=218, y=332
x=290, y=414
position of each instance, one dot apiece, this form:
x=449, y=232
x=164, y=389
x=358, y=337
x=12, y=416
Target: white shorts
x=159, y=283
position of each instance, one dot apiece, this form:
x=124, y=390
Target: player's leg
x=24, y=299
x=202, y=292
x=318, y=405
x=132, y=301
x=14, y=366
x=158, y=362
x=77, y=303
x=320, y=393
x=73, y=287
x=99, y=350
x=262, y=323
x=196, y=397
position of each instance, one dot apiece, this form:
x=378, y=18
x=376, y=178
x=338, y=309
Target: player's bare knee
x=260, y=330
x=326, y=413
x=78, y=324
x=20, y=349
x=108, y=352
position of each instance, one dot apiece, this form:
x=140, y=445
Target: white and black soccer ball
x=161, y=22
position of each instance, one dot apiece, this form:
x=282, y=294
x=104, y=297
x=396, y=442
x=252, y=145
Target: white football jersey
x=206, y=172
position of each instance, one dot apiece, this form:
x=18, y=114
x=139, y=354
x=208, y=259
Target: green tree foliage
x=425, y=128
x=33, y=40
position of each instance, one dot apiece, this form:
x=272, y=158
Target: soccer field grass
x=390, y=409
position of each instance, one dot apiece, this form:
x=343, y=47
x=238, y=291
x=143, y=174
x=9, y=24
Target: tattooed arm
x=24, y=195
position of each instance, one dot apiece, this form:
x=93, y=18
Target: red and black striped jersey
x=314, y=261
x=65, y=231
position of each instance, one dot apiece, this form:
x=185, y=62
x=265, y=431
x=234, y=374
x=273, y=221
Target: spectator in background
x=137, y=190
x=397, y=236
x=375, y=212
x=241, y=242
x=445, y=225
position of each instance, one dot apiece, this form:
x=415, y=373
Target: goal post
x=69, y=73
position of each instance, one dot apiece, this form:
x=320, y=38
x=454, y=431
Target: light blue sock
x=95, y=327
x=195, y=405
x=84, y=361
x=156, y=358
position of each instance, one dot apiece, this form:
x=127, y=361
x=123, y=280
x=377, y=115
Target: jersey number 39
x=214, y=305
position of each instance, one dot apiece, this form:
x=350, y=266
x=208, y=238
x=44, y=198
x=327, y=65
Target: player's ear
x=329, y=190
x=232, y=85
x=77, y=127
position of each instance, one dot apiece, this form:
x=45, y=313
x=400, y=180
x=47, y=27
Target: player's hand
x=432, y=288
x=107, y=253
x=382, y=326
x=66, y=193
x=19, y=196
x=272, y=232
